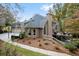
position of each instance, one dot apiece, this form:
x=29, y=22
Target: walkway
x=4, y=37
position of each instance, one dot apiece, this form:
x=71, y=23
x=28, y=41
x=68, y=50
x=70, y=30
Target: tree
x=57, y=12
x=9, y=12
x=62, y=11
x=72, y=25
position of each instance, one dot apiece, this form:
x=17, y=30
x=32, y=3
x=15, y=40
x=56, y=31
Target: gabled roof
x=37, y=21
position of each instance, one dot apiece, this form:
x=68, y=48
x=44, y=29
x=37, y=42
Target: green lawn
x=28, y=52
x=25, y=52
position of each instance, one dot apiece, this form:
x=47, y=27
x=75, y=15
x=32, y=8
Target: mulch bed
x=44, y=44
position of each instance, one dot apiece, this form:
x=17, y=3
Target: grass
x=28, y=52
x=24, y=52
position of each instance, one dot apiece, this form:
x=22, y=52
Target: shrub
x=22, y=35
x=29, y=42
x=76, y=43
x=1, y=31
x=14, y=37
x=23, y=41
x=46, y=43
x=40, y=45
x=33, y=38
x=38, y=40
x=57, y=48
x=70, y=46
x=5, y=31
x=44, y=39
x=75, y=35
x=53, y=42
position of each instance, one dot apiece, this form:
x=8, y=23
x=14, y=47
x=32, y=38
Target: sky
x=30, y=9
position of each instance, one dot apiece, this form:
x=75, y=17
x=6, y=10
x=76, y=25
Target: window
x=29, y=31
x=34, y=31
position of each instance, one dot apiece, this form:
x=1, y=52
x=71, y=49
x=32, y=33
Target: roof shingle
x=37, y=21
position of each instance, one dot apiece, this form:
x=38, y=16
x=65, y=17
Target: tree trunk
x=60, y=25
x=8, y=31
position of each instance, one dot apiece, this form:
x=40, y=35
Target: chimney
x=49, y=18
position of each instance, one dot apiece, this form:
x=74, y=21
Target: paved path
x=4, y=37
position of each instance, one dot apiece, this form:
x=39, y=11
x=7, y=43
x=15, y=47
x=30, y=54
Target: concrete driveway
x=5, y=37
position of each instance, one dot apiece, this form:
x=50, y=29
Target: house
x=18, y=27
x=40, y=26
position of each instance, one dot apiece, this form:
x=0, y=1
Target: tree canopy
x=9, y=12
x=61, y=11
